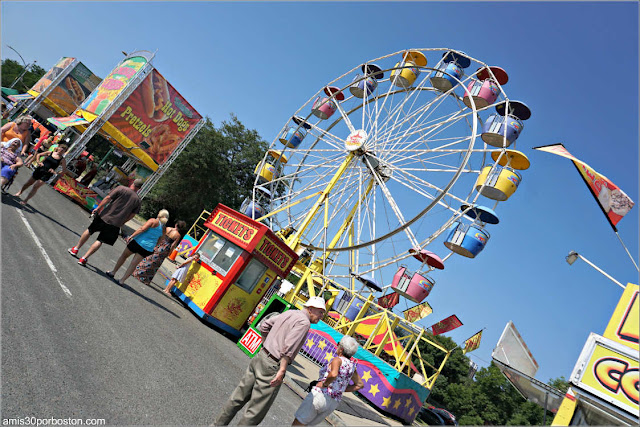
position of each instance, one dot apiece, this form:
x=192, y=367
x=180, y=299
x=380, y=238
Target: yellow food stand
x=240, y=259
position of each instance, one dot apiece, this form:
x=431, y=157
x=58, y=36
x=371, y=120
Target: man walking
x=284, y=336
x=120, y=206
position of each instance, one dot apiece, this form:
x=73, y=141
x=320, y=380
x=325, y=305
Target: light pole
x=25, y=69
x=573, y=256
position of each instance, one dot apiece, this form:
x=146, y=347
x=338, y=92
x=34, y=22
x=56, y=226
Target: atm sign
x=251, y=341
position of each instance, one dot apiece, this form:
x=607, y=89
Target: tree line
x=12, y=69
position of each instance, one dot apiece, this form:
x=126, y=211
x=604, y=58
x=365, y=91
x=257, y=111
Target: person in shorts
x=115, y=210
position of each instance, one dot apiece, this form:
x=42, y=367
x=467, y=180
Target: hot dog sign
x=156, y=114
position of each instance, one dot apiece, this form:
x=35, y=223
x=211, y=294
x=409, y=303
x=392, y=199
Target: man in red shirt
x=284, y=336
x=115, y=210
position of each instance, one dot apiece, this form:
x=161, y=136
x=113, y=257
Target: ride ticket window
x=219, y=253
x=251, y=275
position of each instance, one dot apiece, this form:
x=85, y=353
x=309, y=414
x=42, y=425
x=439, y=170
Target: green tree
x=12, y=69
x=559, y=383
x=493, y=399
x=455, y=371
x=216, y=167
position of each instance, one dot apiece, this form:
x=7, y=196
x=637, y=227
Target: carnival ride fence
x=393, y=339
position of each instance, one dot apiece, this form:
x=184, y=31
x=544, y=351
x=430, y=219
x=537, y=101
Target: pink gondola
x=413, y=286
x=485, y=90
x=324, y=106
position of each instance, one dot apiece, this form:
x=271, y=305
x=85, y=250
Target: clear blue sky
x=575, y=64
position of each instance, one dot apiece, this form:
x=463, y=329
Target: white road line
x=44, y=253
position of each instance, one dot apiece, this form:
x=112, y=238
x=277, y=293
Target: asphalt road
x=76, y=345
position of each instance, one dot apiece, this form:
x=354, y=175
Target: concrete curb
x=332, y=418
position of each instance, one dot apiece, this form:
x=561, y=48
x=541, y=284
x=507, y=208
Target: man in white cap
x=284, y=336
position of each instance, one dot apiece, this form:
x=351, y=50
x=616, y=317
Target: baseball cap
x=316, y=302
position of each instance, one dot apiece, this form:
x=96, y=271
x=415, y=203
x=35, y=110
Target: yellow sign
x=472, y=343
x=624, y=324
x=613, y=374
x=231, y=225
x=271, y=251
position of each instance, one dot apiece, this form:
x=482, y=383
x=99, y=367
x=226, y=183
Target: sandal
x=111, y=274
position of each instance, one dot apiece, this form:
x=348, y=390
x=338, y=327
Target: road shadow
x=11, y=200
x=150, y=301
x=34, y=210
x=14, y=201
x=130, y=289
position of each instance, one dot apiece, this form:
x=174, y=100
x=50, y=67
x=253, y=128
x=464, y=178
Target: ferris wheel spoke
x=412, y=117
x=345, y=117
x=423, y=193
x=423, y=162
x=324, y=136
x=392, y=202
x=428, y=130
x=418, y=143
x=411, y=178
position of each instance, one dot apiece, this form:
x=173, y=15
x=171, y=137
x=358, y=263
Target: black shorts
x=134, y=247
x=41, y=174
x=108, y=233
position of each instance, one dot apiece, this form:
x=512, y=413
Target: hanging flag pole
x=628, y=253
x=613, y=202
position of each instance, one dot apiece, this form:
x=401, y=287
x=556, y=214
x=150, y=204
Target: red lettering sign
x=251, y=340
x=236, y=227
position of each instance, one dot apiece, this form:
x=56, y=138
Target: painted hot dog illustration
x=155, y=93
x=74, y=89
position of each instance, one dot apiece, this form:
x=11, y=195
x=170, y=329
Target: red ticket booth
x=240, y=259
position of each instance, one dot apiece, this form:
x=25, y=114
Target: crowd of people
x=149, y=246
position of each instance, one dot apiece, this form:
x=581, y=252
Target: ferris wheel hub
x=356, y=140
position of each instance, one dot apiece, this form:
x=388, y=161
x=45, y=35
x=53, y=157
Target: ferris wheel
x=390, y=158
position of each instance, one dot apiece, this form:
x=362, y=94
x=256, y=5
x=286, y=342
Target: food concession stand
x=240, y=259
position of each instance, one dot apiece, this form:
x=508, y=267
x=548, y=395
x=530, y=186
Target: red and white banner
x=612, y=200
x=446, y=325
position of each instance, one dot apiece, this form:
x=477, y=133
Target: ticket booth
x=240, y=259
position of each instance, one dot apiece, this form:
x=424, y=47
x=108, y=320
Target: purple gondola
x=502, y=129
x=365, y=84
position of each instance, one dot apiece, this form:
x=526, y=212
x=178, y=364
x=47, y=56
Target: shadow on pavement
x=160, y=306
x=34, y=210
x=129, y=288
x=11, y=200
